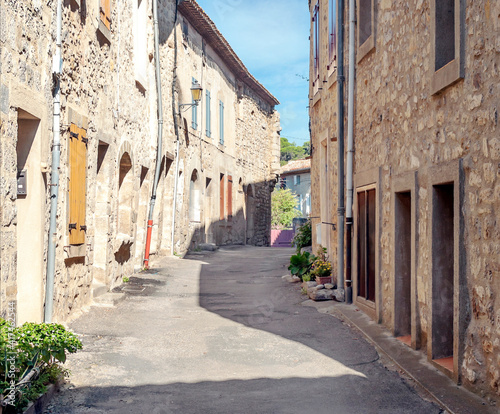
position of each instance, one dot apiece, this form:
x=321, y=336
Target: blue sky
x=272, y=40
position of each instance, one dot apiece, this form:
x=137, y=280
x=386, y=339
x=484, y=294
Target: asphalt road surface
x=223, y=333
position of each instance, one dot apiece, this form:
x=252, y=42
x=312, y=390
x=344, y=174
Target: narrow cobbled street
x=222, y=333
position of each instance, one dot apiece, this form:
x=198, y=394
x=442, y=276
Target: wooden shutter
x=77, y=184
x=230, y=196
x=222, y=196
x=105, y=13
x=209, y=120
x=221, y=122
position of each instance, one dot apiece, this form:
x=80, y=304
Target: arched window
x=125, y=195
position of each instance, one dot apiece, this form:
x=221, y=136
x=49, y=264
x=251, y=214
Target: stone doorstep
x=441, y=389
x=43, y=401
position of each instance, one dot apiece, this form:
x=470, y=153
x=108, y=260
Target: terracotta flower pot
x=322, y=280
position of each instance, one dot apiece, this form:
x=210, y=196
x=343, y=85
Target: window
x=194, y=198
x=447, y=32
x=366, y=23
x=332, y=34
x=316, y=41
x=140, y=42
x=105, y=18
x=300, y=202
x=221, y=122
x=185, y=30
x=296, y=179
x=229, y=197
x=77, y=184
x=283, y=183
x=208, y=115
x=194, y=111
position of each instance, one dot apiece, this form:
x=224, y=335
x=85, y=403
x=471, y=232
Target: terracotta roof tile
x=296, y=165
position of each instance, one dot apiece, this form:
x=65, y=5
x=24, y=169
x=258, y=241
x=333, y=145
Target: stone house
x=108, y=127
x=296, y=176
x=426, y=190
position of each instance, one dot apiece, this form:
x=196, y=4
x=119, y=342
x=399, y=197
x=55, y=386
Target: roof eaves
x=202, y=22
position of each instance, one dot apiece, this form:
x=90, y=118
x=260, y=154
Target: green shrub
x=32, y=353
x=301, y=263
x=303, y=237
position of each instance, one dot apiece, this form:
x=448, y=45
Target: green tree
x=283, y=209
x=290, y=151
x=307, y=148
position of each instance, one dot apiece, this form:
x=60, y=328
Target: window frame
x=221, y=122
x=369, y=44
x=454, y=70
x=208, y=130
x=332, y=34
x=316, y=41
x=140, y=37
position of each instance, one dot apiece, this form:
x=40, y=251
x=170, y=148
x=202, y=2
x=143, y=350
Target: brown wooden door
x=366, y=244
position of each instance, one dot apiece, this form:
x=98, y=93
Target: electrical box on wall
x=22, y=183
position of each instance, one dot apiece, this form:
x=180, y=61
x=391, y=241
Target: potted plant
x=322, y=268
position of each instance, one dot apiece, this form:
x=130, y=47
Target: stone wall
x=249, y=153
x=108, y=89
x=406, y=134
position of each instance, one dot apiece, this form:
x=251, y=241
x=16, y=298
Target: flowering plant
x=321, y=266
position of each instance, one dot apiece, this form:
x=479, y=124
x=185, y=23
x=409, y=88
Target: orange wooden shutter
x=105, y=12
x=82, y=184
x=77, y=184
x=230, y=196
x=222, y=196
x=73, y=179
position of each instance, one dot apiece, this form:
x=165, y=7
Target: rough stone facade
x=427, y=144
x=108, y=93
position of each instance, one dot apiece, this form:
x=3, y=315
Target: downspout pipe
x=56, y=158
x=340, y=139
x=175, y=112
x=350, y=150
x=159, y=147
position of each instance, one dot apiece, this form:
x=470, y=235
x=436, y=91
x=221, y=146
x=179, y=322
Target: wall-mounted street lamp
x=196, y=91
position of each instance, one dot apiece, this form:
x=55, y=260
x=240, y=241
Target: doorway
x=250, y=204
x=443, y=286
x=30, y=222
x=366, y=245
x=402, y=251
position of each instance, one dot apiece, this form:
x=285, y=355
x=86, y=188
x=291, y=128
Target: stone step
x=210, y=247
x=98, y=289
x=108, y=300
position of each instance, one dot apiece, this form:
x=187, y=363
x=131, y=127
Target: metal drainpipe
x=350, y=151
x=340, y=123
x=159, y=148
x=175, y=111
x=56, y=157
